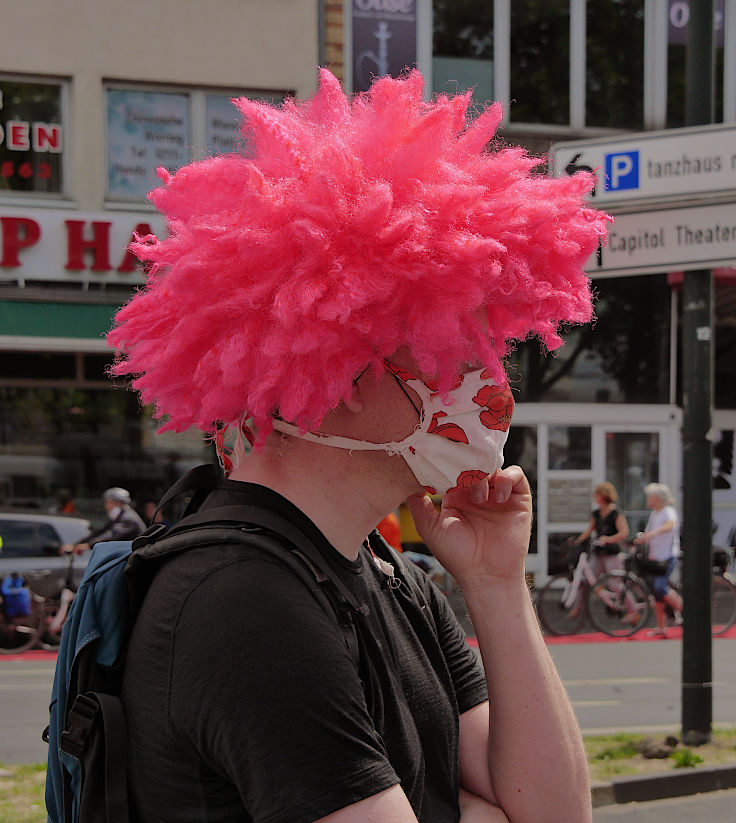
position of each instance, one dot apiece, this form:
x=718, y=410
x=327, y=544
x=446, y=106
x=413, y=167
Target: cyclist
x=610, y=529
x=123, y=522
x=662, y=534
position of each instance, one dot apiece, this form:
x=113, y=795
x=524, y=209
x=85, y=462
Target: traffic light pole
x=697, y=390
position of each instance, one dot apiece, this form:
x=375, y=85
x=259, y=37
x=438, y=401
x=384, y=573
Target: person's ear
x=355, y=403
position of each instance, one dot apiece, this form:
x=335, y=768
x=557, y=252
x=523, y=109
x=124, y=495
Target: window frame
x=46, y=198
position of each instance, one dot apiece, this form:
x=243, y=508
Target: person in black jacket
x=123, y=522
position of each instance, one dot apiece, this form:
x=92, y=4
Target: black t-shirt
x=606, y=527
x=244, y=704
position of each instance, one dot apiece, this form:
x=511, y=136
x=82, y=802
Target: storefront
x=64, y=425
x=83, y=128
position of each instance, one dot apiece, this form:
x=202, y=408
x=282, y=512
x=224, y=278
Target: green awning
x=28, y=319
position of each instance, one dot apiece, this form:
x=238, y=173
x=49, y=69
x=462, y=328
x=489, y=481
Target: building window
x=622, y=357
x=86, y=438
x=148, y=128
x=145, y=129
x=614, y=77
x=462, y=48
x=540, y=61
x=679, y=19
x=569, y=448
x=31, y=136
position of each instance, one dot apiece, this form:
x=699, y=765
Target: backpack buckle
x=82, y=717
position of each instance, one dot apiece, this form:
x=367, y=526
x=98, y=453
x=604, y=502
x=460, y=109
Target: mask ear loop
x=408, y=396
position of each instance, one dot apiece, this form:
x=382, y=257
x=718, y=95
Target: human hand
x=481, y=533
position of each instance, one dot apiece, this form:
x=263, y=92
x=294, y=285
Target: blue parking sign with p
x=622, y=171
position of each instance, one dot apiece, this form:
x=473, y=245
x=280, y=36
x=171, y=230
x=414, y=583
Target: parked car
x=30, y=543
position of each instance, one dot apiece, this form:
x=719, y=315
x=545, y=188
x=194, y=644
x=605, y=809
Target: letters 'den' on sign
x=671, y=239
x=693, y=162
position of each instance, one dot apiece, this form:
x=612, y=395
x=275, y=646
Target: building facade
x=95, y=96
x=107, y=93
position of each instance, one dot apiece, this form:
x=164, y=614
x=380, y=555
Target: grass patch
x=22, y=793
x=686, y=759
x=620, y=754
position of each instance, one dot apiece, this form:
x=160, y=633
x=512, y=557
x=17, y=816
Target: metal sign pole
x=697, y=384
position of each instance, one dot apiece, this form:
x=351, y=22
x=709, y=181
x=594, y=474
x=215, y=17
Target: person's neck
x=345, y=494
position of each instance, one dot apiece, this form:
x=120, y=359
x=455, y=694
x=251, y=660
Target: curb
x=682, y=782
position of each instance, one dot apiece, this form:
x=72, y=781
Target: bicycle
x=564, y=602
x=621, y=594
x=21, y=616
x=55, y=602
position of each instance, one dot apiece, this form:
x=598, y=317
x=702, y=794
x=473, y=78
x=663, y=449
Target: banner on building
x=384, y=39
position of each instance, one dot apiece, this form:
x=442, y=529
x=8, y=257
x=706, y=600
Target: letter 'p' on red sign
x=17, y=233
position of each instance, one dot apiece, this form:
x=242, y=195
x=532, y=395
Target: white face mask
x=114, y=512
x=454, y=445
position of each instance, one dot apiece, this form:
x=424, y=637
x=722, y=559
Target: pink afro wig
x=346, y=230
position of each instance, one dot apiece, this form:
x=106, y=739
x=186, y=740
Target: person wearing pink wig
x=341, y=295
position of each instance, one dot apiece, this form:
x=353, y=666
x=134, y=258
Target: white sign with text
x=675, y=239
x=698, y=162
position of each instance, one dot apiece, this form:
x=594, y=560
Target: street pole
x=697, y=391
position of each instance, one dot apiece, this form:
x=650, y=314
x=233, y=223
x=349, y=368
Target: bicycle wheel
x=723, y=605
x=18, y=634
x=555, y=617
x=618, y=604
x=48, y=639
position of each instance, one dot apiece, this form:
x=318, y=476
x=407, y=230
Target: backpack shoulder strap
x=244, y=515
x=302, y=558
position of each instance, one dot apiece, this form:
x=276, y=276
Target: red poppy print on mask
x=449, y=430
x=498, y=403
x=432, y=385
x=399, y=371
x=469, y=478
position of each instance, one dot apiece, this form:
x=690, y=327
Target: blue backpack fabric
x=94, y=635
x=86, y=779
x=16, y=597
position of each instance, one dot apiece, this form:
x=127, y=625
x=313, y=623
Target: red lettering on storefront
x=17, y=233
x=77, y=245
x=130, y=261
x=17, y=135
x=46, y=137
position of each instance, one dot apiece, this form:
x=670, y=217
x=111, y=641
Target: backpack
x=16, y=598
x=86, y=779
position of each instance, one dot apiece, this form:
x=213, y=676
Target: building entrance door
x=632, y=459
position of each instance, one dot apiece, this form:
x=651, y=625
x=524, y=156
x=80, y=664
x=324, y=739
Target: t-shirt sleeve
x=465, y=669
x=263, y=688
